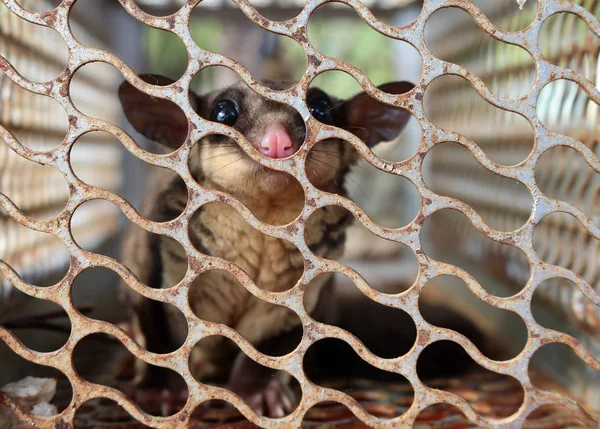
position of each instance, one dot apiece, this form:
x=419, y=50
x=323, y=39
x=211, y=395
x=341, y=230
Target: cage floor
x=490, y=396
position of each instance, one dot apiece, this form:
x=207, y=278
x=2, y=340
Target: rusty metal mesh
x=387, y=4
x=39, y=123
x=561, y=172
x=409, y=235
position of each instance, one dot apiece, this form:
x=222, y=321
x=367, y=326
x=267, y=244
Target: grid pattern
x=39, y=123
x=409, y=235
x=561, y=172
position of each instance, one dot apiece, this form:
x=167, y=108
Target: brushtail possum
x=217, y=162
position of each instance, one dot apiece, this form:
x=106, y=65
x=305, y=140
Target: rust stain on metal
x=295, y=28
x=314, y=61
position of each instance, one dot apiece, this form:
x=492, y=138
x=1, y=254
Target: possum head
x=276, y=130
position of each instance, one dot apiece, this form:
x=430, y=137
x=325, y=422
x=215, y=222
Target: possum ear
x=156, y=118
x=374, y=122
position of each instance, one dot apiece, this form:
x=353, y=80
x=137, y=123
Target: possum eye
x=320, y=107
x=225, y=112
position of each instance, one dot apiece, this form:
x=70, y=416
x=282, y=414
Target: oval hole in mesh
x=99, y=159
x=387, y=266
x=350, y=39
x=264, y=54
x=95, y=159
x=37, y=122
x=94, y=293
x=40, y=53
x=563, y=107
x=555, y=367
x=560, y=305
x=451, y=103
x=390, y=200
x=372, y=323
x=217, y=296
x=41, y=325
x=163, y=51
x=101, y=100
x=19, y=369
x=38, y=257
x=447, y=302
x=333, y=363
x=467, y=45
x=39, y=191
x=448, y=236
x=449, y=169
x=503, y=394
x=562, y=173
x=506, y=16
x=577, y=248
x=328, y=412
x=94, y=91
x=212, y=362
x=560, y=33
x=100, y=294
x=102, y=359
x=141, y=250
x=214, y=78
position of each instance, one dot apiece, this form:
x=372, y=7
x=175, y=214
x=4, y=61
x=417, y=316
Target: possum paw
x=274, y=400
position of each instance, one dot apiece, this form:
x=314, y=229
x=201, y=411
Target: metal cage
x=552, y=90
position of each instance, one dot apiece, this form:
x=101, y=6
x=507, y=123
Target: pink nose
x=276, y=142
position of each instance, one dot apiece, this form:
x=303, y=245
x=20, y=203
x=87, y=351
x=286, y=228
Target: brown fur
x=219, y=230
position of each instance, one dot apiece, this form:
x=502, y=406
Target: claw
x=255, y=401
x=274, y=403
x=287, y=403
x=274, y=400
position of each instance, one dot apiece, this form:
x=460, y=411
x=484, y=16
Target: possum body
x=218, y=163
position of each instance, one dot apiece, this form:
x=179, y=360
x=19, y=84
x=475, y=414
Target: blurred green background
x=277, y=57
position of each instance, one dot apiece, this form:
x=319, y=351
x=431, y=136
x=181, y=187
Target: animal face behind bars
x=276, y=130
x=217, y=162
